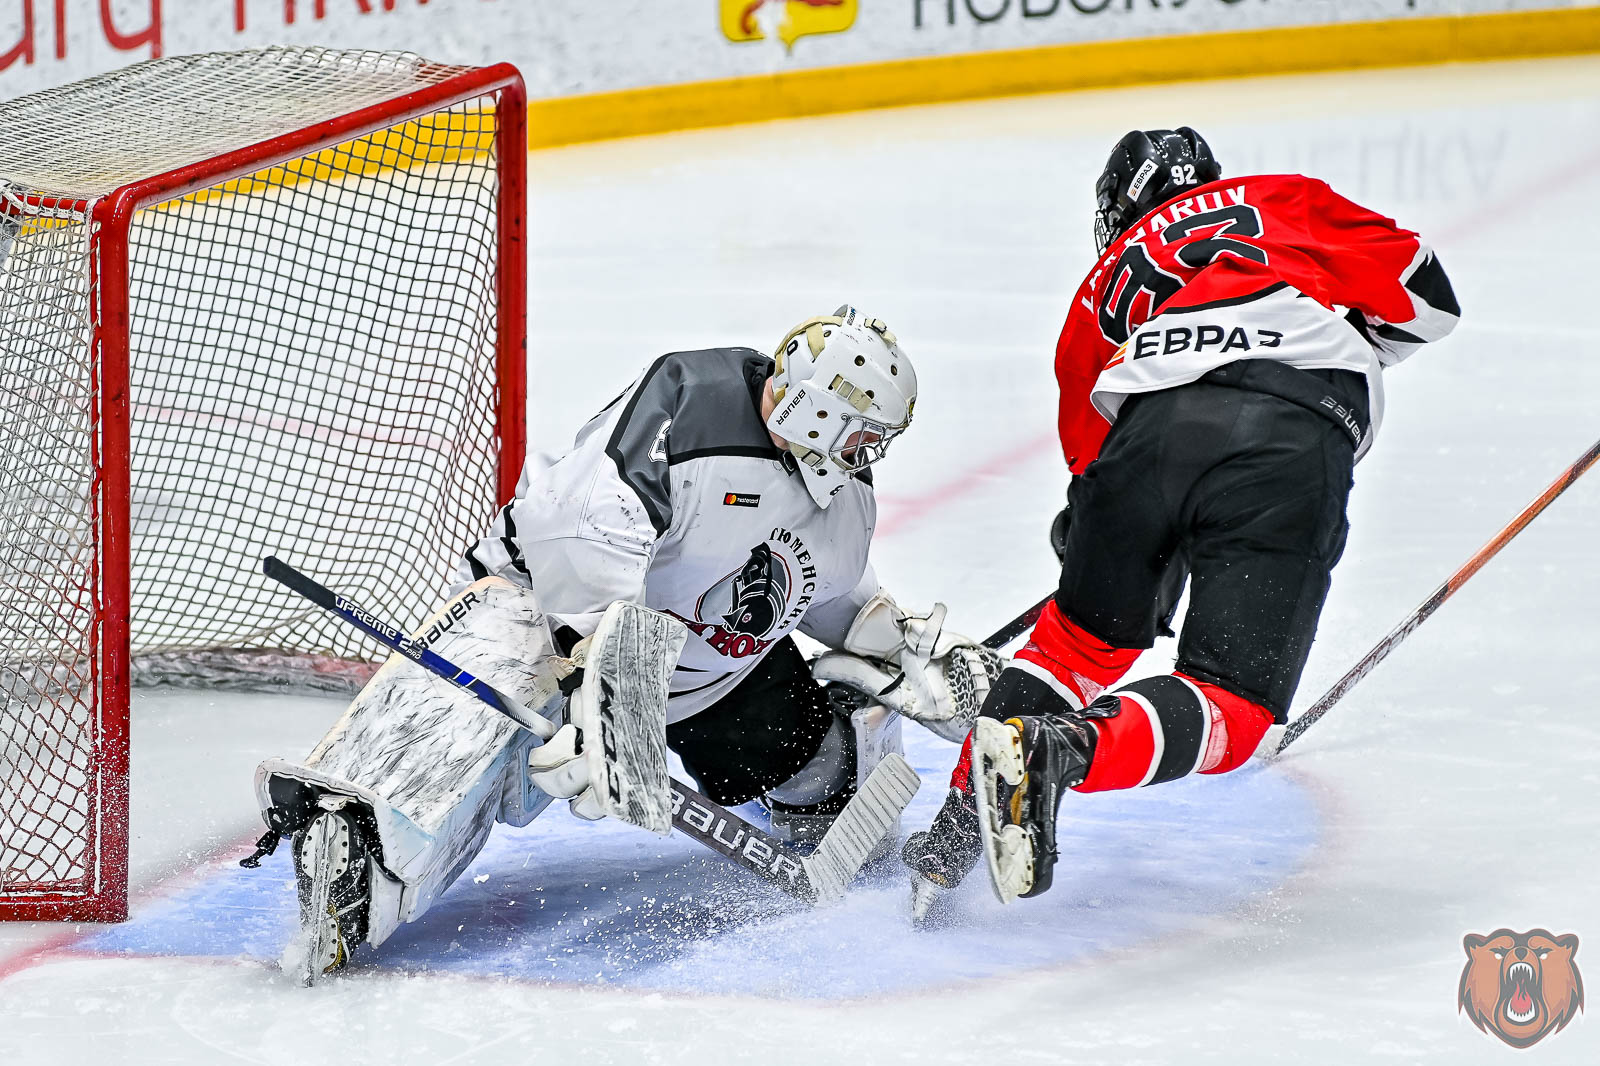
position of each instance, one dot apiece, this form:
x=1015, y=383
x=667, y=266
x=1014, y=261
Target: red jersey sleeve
x=1386, y=274
x=1368, y=256
x=1081, y=353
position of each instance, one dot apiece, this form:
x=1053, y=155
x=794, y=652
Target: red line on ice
x=906, y=510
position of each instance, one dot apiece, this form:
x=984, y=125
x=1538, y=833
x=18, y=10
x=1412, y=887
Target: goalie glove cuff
x=878, y=631
x=884, y=630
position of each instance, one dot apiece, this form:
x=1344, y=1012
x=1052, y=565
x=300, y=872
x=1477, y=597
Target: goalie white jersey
x=675, y=496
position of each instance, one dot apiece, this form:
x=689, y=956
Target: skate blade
x=315, y=952
x=319, y=947
x=924, y=894
x=1007, y=852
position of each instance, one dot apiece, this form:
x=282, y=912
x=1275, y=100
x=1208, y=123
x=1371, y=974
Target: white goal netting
x=313, y=348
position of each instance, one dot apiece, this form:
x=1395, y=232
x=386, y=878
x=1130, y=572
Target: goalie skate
x=332, y=878
x=998, y=778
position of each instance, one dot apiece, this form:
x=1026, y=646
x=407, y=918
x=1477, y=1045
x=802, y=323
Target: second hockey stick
x=1014, y=628
x=1454, y=582
x=819, y=877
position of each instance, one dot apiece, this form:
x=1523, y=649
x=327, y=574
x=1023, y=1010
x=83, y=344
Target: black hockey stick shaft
x=390, y=637
x=694, y=815
x=1018, y=625
x=1454, y=582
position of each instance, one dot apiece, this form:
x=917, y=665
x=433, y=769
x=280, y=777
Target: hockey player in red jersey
x=1220, y=374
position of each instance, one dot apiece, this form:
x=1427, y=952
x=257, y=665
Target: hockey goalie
x=721, y=503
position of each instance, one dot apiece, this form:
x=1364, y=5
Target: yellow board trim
x=1055, y=68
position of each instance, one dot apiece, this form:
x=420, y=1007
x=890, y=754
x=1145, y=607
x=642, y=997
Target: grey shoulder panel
x=686, y=406
x=720, y=413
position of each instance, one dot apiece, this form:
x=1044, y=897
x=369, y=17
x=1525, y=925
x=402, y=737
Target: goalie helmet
x=843, y=391
x=1146, y=169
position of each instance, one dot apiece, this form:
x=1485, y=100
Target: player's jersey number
x=1136, y=273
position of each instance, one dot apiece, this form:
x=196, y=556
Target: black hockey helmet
x=1146, y=169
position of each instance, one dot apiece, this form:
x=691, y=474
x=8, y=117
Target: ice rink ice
x=1309, y=911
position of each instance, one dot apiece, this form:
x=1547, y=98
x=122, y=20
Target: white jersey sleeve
x=829, y=621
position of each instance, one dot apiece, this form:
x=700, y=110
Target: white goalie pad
x=877, y=730
x=433, y=765
x=621, y=710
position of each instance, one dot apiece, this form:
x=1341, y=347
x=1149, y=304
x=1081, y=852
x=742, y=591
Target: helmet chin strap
x=806, y=455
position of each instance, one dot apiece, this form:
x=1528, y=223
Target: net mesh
x=313, y=375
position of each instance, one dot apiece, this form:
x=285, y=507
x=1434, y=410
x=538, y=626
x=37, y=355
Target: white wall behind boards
x=567, y=47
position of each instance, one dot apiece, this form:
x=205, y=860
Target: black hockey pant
x=1242, y=491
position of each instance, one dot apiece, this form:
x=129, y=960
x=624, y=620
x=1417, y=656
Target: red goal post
x=249, y=302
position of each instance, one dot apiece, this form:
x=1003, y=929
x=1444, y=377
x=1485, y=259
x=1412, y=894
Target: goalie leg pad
x=878, y=736
x=862, y=735
x=431, y=766
x=832, y=769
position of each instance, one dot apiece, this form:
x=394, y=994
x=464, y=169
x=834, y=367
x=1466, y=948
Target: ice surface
x=1308, y=911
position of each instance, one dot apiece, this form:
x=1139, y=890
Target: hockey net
x=250, y=303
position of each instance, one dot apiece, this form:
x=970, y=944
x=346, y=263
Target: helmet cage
x=1108, y=220
x=859, y=441
x=862, y=441
x=843, y=392
x=1104, y=233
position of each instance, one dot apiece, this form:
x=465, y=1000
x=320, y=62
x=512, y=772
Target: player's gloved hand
x=910, y=664
x=557, y=767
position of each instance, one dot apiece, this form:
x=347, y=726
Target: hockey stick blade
x=694, y=815
x=860, y=826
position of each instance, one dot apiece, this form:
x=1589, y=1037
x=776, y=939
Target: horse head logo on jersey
x=758, y=593
x=1521, y=986
x=738, y=614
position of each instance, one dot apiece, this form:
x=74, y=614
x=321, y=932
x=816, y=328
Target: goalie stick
x=1381, y=652
x=819, y=877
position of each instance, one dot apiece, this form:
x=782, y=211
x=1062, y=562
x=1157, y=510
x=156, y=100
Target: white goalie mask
x=844, y=390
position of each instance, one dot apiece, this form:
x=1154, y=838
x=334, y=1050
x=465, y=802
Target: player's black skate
x=940, y=856
x=330, y=861
x=1019, y=769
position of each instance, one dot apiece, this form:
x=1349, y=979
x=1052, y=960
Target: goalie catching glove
x=909, y=664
